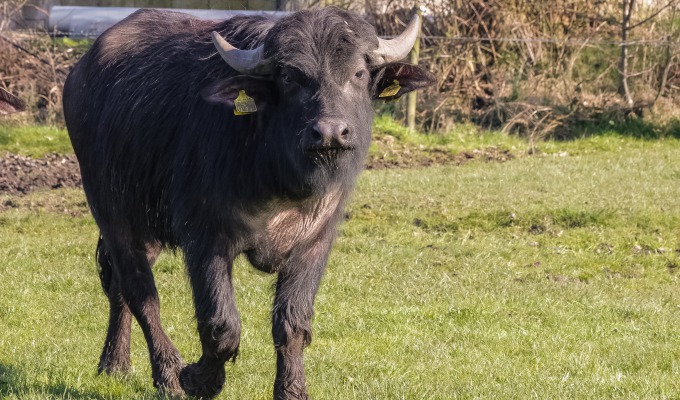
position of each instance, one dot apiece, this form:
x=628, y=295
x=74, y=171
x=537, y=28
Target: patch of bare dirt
x=21, y=175
x=70, y=202
x=409, y=158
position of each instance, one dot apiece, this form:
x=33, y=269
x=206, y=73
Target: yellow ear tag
x=244, y=104
x=391, y=90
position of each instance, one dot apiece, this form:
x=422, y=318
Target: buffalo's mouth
x=326, y=153
x=328, y=149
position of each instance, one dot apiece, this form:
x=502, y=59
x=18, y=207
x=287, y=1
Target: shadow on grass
x=14, y=382
x=566, y=123
x=9, y=379
x=631, y=127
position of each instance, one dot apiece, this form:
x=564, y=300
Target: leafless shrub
x=34, y=66
x=530, y=120
x=536, y=68
x=533, y=68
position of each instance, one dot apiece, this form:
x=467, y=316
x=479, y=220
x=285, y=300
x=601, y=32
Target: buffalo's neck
x=279, y=226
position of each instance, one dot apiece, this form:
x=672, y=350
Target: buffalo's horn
x=397, y=48
x=244, y=61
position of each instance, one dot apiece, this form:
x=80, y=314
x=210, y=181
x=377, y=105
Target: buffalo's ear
x=261, y=90
x=393, y=80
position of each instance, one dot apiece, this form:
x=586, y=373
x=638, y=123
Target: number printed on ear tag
x=244, y=104
x=391, y=90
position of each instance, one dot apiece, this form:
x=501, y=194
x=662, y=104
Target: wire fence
x=563, y=42
x=519, y=80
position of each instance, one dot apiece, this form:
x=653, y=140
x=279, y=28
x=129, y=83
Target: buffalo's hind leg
x=116, y=354
x=132, y=281
x=219, y=325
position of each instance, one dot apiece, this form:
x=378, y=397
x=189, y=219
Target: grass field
x=551, y=276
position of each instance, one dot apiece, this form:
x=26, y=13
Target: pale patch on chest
x=283, y=225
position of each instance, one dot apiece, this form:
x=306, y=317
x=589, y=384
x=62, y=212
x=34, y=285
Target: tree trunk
x=624, y=90
x=411, y=105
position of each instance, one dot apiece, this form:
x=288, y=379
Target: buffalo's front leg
x=296, y=287
x=219, y=325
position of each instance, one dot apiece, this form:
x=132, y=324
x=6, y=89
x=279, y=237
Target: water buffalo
x=9, y=103
x=222, y=138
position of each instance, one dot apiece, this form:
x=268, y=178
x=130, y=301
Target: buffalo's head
x=313, y=79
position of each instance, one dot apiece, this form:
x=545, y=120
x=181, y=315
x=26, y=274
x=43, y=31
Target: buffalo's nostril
x=317, y=137
x=329, y=133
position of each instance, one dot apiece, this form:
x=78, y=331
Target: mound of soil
x=21, y=175
x=431, y=157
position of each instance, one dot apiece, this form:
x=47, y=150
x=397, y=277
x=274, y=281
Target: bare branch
x=657, y=12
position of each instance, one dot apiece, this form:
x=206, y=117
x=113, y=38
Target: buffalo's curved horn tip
x=397, y=48
x=243, y=61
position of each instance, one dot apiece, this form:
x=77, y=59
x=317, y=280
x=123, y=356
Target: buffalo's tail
x=104, y=265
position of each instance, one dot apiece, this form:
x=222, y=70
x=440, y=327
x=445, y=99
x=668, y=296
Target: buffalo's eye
x=360, y=74
x=286, y=79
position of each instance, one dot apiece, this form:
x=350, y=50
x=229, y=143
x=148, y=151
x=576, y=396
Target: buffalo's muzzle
x=328, y=135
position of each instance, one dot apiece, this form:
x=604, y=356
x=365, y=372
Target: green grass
x=549, y=276
x=38, y=140
x=463, y=137
x=33, y=140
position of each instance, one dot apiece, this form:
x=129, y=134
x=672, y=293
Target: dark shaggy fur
x=166, y=163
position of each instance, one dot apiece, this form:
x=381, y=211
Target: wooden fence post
x=411, y=102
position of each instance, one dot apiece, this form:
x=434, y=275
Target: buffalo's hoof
x=292, y=390
x=171, y=394
x=291, y=396
x=114, y=366
x=170, y=388
x=166, y=379
x=198, y=382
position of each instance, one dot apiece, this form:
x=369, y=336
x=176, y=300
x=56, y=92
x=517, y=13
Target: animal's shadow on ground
x=14, y=382
x=634, y=127
x=564, y=123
